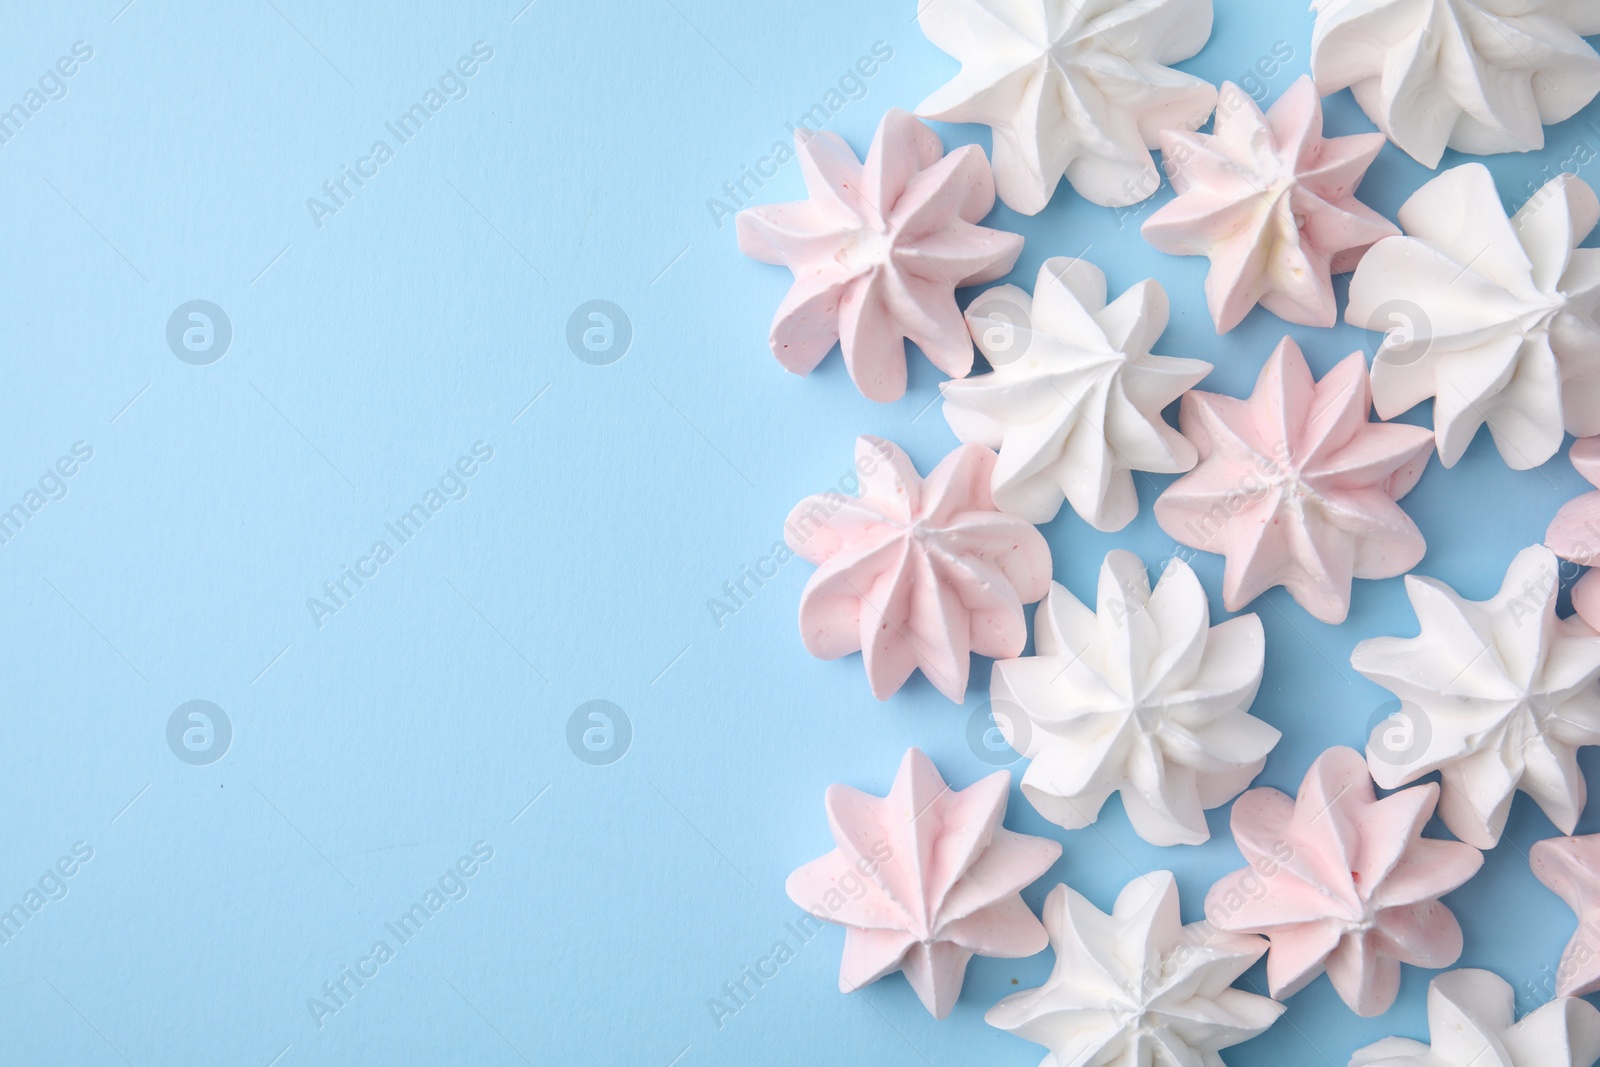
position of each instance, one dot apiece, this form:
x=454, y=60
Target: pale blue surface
x=426, y=714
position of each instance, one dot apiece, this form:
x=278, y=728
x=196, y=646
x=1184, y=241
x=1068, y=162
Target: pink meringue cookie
x=1340, y=881
x=917, y=574
x=878, y=252
x=923, y=880
x=1272, y=203
x=1570, y=868
x=1575, y=532
x=1296, y=488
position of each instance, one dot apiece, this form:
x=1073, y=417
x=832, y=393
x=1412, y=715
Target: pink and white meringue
x=878, y=252
x=1479, y=76
x=1575, y=532
x=1272, y=203
x=1137, y=988
x=1338, y=880
x=917, y=574
x=1296, y=488
x=1472, y=1017
x=1080, y=88
x=1074, y=403
x=1497, y=319
x=1570, y=868
x=923, y=880
x=1143, y=697
x=1502, y=694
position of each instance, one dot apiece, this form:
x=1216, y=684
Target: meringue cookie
x=1570, y=868
x=1575, y=532
x=1137, y=986
x=878, y=252
x=1074, y=403
x=1472, y=1017
x=1080, y=88
x=924, y=879
x=1296, y=488
x=1272, y=204
x=1340, y=881
x=1497, y=319
x=916, y=574
x=1479, y=76
x=1505, y=693
x=1145, y=697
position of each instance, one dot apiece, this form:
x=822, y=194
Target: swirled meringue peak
x=1074, y=403
x=1479, y=76
x=924, y=879
x=1570, y=868
x=1500, y=693
x=878, y=252
x=1575, y=533
x=1472, y=1017
x=1142, y=697
x=1497, y=319
x=1080, y=88
x=1342, y=882
x=916, y=574
x=1137, y=987
x=1296, y=488
x=1272, y=203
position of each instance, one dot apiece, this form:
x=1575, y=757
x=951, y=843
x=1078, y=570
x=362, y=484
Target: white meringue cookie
x=1074, y=403
x=1497, y=319
x=1144, y=697
x=1137, y=986
x=1472, y=1021
x=1499, y=695
x=1081, y=88
x=1481, y=76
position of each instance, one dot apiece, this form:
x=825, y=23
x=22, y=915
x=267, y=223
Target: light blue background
x=431, y=710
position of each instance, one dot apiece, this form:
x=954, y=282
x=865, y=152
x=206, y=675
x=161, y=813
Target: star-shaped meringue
x=1296, y=488
x=1144, y=697
x=1505, y=692
x=1338, y=880
x=1074, y=403
x=1272, y=203
x=878, y=252
x=1575, y=532
x=923, y=880
x=1497, y=319
x=1570, y=868
x=916, y=574
x=1472, y=1017
x=1080, y=88
x=1479, y=76
x=1137, y=987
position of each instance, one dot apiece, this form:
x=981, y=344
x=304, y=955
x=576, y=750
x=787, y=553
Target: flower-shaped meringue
x=916, y=573
x=1575, y=532
x=924, y=879
x=1074, y=403
x=1296, y=488
x=1501, y=694
x=1472, y=1016
x=1080, y=88
x=1340, y=881
x=1570, y=868
x=1144, y=697
x=1137, y=986
x=1497, y=319
x=878, y=252
x=1479, y=76
x=1272, y=203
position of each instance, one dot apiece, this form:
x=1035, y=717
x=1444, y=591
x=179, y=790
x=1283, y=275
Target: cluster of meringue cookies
x=1493, y=317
